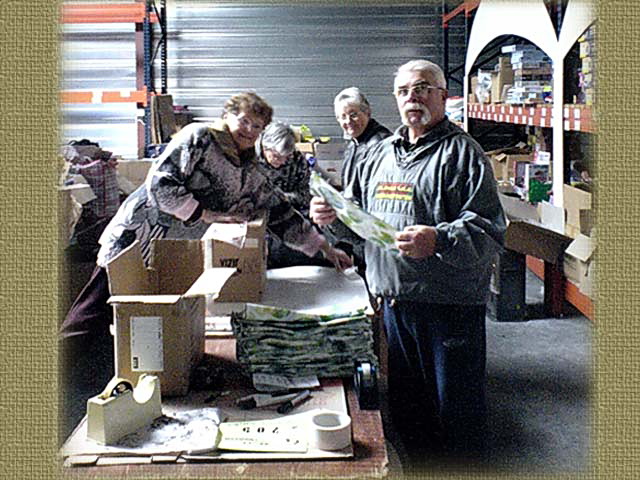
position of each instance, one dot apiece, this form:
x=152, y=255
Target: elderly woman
x=207, y=173
x=361, y=133
x=289, y=171
x=285, y=166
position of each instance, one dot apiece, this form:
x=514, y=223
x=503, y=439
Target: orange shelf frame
x=572, y=294
x=467, y=7
x=576, y=117
x=103, y=96
x=109, y=13
x=579, y=118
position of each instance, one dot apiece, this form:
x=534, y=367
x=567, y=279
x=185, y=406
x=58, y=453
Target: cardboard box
x=577, y=260
x=134, y=171
x=159, y=311
x=249, y=260
x=576, y=201
x=306, y=147
x=330, y=151
x=330, y=170
x=517, y=209
x=499, y=80
x=504, y=165
x=533, y=239
x=473, y=98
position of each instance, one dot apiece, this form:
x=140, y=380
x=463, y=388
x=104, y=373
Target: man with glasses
x=433, y=183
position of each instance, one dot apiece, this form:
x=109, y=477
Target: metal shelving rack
x=555, y=40
x=143, y=14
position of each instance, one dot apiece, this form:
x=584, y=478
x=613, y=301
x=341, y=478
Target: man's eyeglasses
x=419, y=88
x=351, y=116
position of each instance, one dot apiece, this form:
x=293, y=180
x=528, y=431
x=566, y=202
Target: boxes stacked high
x=532, y=75
x=502, y=78
x=286, y=342
x=586, y=75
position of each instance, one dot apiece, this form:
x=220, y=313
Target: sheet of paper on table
x=195, y=442
x=308, y=289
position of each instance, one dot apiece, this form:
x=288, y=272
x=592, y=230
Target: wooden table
x=370, y=453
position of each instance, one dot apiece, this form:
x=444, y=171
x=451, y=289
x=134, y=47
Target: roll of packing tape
x=330, y=431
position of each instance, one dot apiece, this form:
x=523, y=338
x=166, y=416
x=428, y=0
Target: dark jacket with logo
x=444, y=181
x=355, y=152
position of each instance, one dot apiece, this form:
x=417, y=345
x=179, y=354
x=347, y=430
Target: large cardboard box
x=248, y=256
x=576, y=201
x=504, y=165
x=133, y=171
x=330, y=170
x=531, y=238
x=500, y=79
x=71, y=199
x=578, y=261
x=159, y=311
x=330, y=151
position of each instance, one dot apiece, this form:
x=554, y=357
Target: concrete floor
x=539, y=377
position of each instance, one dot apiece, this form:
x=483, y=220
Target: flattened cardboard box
x=577, y=259
x=575, y=202
x=159, y=311
x=249, y=261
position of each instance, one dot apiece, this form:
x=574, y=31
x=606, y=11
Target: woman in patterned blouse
x=208, y=173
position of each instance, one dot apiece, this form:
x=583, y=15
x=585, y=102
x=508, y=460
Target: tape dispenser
x=365, y=380
x=120, y=409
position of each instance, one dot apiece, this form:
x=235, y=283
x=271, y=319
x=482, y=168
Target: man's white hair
x=424, y=66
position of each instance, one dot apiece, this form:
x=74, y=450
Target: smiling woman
x=207, y=173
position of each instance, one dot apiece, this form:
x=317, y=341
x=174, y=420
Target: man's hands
x=416, y=241
x=321, y=212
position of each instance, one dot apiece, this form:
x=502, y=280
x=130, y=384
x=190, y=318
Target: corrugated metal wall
x=297, y=55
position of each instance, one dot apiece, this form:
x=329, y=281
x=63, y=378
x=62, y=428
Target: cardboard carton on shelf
x=504, y=164
x=159, y=311
x=578, y=263
x=577, y=204
x=472, y=90
x=500, y=79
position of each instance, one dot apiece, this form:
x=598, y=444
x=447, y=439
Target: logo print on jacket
x=394, y=191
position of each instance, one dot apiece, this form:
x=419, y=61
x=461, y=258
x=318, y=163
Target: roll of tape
x=330, y=430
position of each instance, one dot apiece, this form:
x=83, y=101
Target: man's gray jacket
x=444, y=181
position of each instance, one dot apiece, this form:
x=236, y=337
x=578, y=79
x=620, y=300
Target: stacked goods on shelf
x=505, y=161
x=501, y=80
x=490, y=86
x=586, y=75
x=532, y=75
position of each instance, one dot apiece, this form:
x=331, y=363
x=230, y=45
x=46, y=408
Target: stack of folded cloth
x=286, y=342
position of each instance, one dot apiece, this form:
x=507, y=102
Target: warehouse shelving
x=143, y=14
x=575, y=117
x=495, y=19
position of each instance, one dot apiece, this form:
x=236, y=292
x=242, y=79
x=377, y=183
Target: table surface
x=369, y=461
